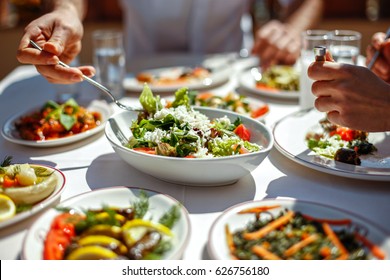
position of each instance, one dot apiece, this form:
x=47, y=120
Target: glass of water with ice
x=109, y=60
x=345, y=46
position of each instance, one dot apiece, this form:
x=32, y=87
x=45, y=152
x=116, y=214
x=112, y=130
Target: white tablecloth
x=92, y=164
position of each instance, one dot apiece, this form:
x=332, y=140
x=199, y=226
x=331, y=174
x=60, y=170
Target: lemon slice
x=7, y=208
x=92, y=252
x=135, y=229
x=104, y=241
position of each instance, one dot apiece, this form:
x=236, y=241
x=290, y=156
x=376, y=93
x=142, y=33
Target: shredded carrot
x=265, y=87
x=374, y=249
x=334, y=239
x=298, y=246
x=325, y=252
x=269, y=227
x=329, y=221
x=264, y=253
x=256, y=210
x=343, y=257
x=259, y=111
x=204, y=95
x=229, y=241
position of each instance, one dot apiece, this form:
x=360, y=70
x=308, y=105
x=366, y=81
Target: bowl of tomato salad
x=188, y=145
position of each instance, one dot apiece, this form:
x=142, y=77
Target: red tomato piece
x=242, y=132
x=346, y=134
x=59, y=236
x=150, y=151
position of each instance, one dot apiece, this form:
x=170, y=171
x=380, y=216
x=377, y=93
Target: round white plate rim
x=375, y=175
x=219, y=77
x=288, y=202
x=75, y=202
x=44, y=203
x=247, y=81
x=99, y=106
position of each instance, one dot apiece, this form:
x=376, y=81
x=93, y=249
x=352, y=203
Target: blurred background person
x=155, y=26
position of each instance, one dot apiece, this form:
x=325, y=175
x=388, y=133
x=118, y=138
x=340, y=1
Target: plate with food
x=26, y=189
x=169, y=79
x=54, y=124
x=231, y=101
x=188, y=145
x=282, y=229
x=279, y=81
x=110, y=223
x=307, y=138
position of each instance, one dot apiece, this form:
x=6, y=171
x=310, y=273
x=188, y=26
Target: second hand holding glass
x=96, y=84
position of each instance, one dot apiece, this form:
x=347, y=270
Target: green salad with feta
x=181, y=131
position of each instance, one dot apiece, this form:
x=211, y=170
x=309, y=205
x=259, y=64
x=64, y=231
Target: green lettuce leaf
x=148, y=101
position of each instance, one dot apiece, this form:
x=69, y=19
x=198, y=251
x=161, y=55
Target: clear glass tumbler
x=310, y=39
x=109, y=60
x=344, y=45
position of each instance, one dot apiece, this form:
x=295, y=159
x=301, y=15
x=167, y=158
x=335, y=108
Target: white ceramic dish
x=290, y=132
x=254, y=104
x=247, y=80
x=51, y=199
x=218, y=249
x=193, y=171
x=216, y=78
x=10, y=133
x=114, y=196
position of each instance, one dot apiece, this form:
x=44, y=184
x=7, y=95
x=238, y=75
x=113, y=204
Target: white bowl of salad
x=187, y=145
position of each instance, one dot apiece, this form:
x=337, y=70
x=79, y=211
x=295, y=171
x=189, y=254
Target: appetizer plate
x=44, y=203
x=217, y=246
x=216, y=78
x=290, y=132
x=247, y=79
x=115, y=196
x=11, y=134
x=255, y=104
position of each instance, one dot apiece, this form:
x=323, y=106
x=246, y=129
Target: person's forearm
x=79, y=7
x=307, y=16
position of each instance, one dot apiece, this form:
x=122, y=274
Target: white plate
x=114, y=196
x=290, y=132
x=247, y=80
x=10, y=133
x=40, y=205
x=218, y=249
x=216, y=78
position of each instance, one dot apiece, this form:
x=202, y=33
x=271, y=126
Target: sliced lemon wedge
x=92, y=252
x=7, y=208
x=104, y=241
x=135, y=229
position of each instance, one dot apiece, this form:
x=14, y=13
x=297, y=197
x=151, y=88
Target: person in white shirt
x=155, y=26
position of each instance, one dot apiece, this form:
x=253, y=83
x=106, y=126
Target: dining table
x=92, y=164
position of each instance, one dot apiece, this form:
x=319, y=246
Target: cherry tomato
x=242, y=132
x=9, y=182
x=346, y=134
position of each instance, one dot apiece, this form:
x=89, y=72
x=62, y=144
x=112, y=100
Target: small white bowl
x=192, y=171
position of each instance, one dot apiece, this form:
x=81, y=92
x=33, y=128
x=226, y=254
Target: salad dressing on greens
x=181, y=131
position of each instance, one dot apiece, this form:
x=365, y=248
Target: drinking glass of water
x=345, y=46
x=109, y=60
x=309, y=40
